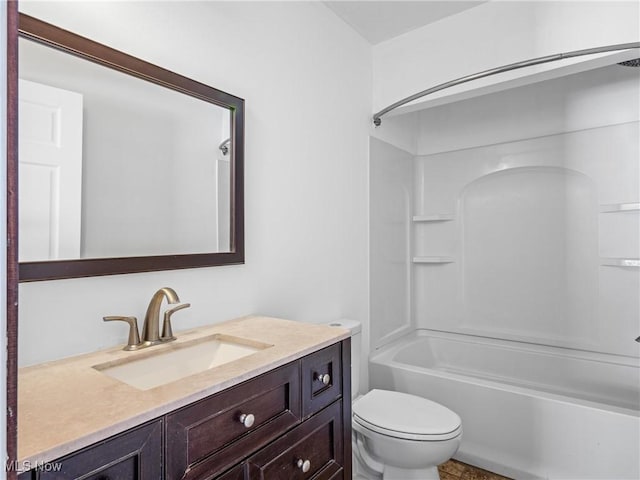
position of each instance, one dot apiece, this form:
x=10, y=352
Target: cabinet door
x=315, y=446
x=133, y=455
x=321, y=379
x=208, y=437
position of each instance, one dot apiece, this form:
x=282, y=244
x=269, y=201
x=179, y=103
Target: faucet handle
x=167, y=332
x=134, y=336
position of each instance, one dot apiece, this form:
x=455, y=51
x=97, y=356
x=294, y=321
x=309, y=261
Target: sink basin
x=173, y=362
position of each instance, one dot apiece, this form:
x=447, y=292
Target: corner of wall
x=401, y=131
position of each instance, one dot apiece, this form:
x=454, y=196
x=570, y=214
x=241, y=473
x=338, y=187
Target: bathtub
x=528, y=411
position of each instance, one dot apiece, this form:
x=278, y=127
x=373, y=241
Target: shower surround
x=505, y=279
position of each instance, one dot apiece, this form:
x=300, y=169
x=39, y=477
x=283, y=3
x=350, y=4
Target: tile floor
x=454, y=470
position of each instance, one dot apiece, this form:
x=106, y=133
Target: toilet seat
x=405, y=416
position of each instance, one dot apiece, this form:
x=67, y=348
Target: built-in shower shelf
x=620, y=207
x=438, y=217
x=620, y=262
x=433, y=260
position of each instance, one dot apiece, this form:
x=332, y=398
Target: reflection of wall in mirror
x=149, y=180
x=223, y=180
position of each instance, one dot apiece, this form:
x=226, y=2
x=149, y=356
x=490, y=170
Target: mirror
x=123, y=166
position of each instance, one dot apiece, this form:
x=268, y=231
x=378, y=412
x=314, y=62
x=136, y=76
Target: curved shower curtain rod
x=377, y=118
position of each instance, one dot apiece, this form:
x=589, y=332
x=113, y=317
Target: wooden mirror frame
x=68, y=42
x=12, y=237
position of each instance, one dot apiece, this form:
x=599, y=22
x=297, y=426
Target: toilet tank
x=356, y=344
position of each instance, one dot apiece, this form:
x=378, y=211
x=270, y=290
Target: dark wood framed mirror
x=11, y=430
x=191, y=202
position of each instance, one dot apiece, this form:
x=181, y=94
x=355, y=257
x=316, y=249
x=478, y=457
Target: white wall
x=493, y=34
x=306, y=79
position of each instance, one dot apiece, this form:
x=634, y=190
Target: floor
x=454, y=470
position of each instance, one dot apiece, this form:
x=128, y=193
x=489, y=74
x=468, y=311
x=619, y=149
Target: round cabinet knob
x=324, y=378
x=304, y=465
x=247, y=419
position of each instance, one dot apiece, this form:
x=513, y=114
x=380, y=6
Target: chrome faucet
x=151, y=328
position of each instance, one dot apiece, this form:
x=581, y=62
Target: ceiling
x=378, y=21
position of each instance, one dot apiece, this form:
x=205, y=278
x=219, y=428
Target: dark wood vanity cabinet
x=291, y=423
x=208, y=436
x=298, y=417
x=133, y=455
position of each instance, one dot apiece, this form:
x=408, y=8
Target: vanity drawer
x=208, y=436
x=321, y=379
x=317, y=441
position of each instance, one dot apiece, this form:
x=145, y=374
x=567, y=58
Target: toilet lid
x=406, y=416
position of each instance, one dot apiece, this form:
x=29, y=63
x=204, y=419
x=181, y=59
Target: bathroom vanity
x=281, y=412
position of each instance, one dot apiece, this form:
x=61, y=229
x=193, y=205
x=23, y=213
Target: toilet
x=398, y=436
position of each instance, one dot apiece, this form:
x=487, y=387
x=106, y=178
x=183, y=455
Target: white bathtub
x=528, y=411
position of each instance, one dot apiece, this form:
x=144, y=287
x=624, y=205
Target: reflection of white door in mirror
x=50, y=172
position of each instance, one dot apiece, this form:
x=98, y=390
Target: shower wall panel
x=541, y=239
x=391, y=171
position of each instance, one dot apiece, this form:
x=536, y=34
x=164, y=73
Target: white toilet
x=398, y=436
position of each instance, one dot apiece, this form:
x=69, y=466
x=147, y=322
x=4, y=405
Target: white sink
x=176, y=361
